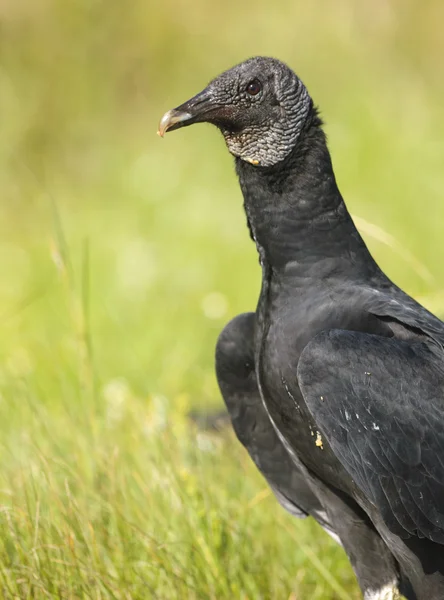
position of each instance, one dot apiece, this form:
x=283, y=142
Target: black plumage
x=294, y=486
x=349, y=369
x=236, y=375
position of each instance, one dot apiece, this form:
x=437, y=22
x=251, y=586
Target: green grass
x=122, y=257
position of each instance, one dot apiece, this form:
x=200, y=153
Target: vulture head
x=260, y=106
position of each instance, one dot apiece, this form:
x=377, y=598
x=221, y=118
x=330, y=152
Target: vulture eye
x=254, y=87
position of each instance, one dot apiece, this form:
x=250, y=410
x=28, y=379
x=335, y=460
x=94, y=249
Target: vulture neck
x=297, y=216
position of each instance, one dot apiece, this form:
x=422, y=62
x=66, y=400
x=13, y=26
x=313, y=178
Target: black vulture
x=348, y=368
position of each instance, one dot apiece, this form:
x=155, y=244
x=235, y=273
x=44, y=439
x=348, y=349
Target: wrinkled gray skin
x=267, y=125
x=334, y=347
x=275, y=114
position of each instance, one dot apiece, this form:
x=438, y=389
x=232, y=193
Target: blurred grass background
x=122, y=257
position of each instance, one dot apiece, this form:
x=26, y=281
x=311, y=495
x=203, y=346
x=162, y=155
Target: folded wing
x=379, y=403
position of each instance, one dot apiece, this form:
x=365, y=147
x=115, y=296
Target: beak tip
x=172, y=119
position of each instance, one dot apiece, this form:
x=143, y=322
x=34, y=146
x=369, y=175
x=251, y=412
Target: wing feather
x=382, y=412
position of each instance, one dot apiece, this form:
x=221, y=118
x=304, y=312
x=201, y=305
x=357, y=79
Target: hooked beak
x=173, y=119
x=195, y=110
